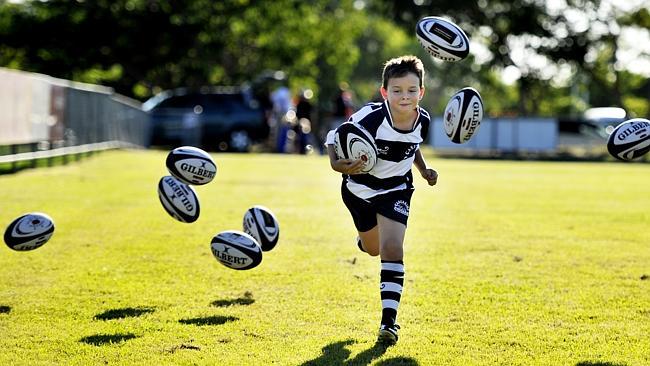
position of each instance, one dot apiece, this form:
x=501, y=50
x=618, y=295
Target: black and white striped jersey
x=395, y=150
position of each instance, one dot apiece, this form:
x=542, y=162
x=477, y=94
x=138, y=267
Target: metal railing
x=52, y=117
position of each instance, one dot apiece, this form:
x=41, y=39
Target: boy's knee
x=391, y=249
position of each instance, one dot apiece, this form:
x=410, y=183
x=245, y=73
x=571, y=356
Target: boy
x=379, y=201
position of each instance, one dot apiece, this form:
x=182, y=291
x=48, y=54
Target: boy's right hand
x=348, y=166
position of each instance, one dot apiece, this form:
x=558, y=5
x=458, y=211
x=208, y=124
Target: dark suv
x=214, y=118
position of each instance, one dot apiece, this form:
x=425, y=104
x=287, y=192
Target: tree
x=143, y=46
x=140, y=47
x=542, y=43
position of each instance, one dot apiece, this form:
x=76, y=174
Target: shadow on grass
x=4, y=309
x=589, y=363
x=337, y=354
x=398, y=361
x=333, y=354
x=247, y=299
x=123, y=313
x=209, y=320
x=102, y=339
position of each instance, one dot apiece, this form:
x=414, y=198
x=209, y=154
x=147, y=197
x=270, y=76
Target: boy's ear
x=384, y=92
x=421, y=93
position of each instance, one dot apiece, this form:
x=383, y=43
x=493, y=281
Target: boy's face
x=403, y=93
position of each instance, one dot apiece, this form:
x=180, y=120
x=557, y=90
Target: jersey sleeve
x=369, y=117
x=329, y=140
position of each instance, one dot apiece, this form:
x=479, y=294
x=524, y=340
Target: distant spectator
x=343, y=107
x=341, y=111
x=281, y=98
x=304, y=116
x=303, y=106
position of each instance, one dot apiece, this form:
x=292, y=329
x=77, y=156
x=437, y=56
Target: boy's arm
x=430, y=175
x=345, y=166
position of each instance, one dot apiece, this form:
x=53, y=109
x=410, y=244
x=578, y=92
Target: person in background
x=303, y=127
x=342, y=109
x=281, y=99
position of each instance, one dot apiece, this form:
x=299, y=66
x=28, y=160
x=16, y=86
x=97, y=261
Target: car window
x=181, y=101
x=222, y=100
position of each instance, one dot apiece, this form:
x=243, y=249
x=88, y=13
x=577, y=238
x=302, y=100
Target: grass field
x=507, y=263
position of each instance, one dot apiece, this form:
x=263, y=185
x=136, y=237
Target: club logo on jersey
x=401, y=207
x=410, y=151
x=382, y=150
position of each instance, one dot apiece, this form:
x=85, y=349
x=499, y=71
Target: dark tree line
x=140, y=47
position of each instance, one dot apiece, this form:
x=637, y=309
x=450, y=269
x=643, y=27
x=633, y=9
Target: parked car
x=595, y=123
x=605, y=118
x=214, y=118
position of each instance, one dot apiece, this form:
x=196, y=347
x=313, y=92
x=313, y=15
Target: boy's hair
x=400, y=66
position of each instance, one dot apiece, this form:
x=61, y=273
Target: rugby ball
x=354, y=142
x=442, y=39
x=191, y=165
x=463, y=115
x=261, y=224
x=29, y=231
x=178, y=199
x=235, y=249
x=630, y=139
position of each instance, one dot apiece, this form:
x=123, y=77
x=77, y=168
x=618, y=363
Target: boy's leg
x=369, y=241
x=365, y=221
x=391, y=239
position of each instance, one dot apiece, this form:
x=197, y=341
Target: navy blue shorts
x=393, y=205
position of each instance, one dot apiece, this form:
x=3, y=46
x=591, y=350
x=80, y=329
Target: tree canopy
x=564, y=59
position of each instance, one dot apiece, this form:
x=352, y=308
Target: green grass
x=515, y=263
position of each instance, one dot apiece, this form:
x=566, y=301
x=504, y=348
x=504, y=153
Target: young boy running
x=379, y=200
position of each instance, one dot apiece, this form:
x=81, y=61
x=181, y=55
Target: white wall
x=502, y=135
x=24, y=107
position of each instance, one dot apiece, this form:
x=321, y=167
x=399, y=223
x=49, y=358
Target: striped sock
x=392, y=280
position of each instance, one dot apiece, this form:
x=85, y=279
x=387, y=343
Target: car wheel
x=240, y=141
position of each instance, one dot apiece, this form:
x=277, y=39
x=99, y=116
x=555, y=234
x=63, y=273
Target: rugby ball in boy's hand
x=178, y=199
x=191, y=165
x=353, y=142
x=463, y=115
x=261, y=224
x=630, y=139
x=442, y=39
x=235, y=249
x=29, y=231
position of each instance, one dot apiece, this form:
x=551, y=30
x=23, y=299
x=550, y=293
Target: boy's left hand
x=431, y=176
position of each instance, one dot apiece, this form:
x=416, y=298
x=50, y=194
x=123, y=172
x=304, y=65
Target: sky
x=634, y=43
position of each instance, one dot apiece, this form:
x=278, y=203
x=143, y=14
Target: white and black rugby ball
x=29, y=231
x=261, y=224
x=191, y=165
x=442, y=39
x=178, y=199
x=463, y=115
x=236, y=249
x=354, y=142
x=630, y=139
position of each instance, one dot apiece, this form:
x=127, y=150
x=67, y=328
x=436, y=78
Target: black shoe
x=388, y=334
